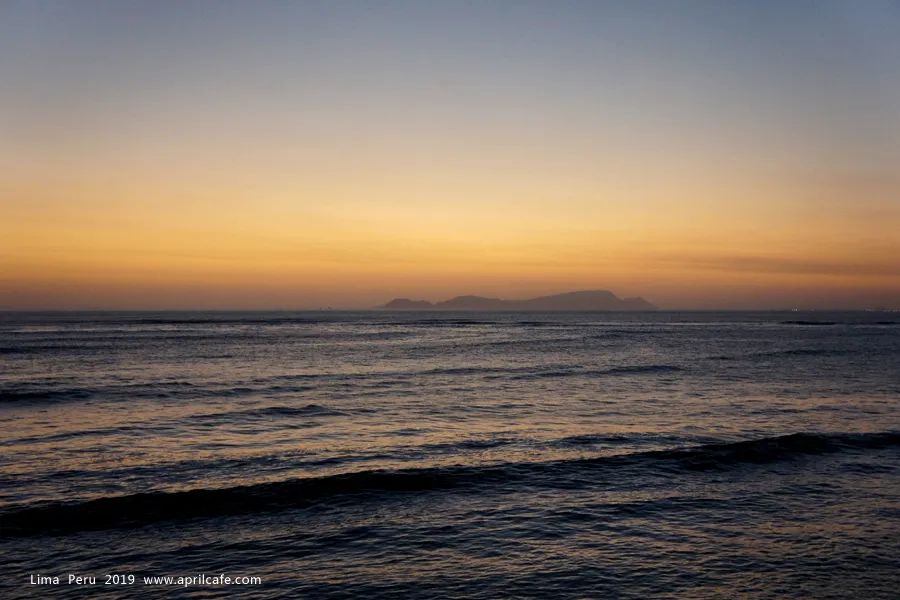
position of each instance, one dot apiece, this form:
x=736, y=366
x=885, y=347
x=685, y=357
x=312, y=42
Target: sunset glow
x=340, y=154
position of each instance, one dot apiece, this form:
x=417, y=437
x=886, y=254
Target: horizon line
x=434, y=310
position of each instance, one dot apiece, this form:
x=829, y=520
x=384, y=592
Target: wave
x=618, y=439
x=612, y=371
x=467, y=445
x=14, y=350
x=802, y=352
x=142, y=391
x=523, y=372
x=444, y=323
x=453, y=322
x=305, y=382
x=784, y=353
x=642, y=369
x=153, y=507
x=44, y=395
x=528, y=343
x=273, y=411
x=498, y=372
x=863, y=323
x=90, y=346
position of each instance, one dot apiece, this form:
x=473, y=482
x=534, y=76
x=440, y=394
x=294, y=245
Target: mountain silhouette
x=583, y=300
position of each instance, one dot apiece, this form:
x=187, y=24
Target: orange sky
x=172, y=170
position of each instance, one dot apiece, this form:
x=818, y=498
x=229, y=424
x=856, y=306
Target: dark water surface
x=476, y=455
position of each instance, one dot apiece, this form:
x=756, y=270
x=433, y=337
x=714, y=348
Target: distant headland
x=583, y=300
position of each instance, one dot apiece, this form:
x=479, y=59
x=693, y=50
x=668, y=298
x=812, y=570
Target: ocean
x=450, y=455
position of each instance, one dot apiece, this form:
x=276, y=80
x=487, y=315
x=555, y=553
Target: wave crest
x=145, y=508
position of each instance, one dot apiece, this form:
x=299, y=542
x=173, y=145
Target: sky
x=288, y=155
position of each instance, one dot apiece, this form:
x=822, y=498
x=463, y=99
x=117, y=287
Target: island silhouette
x=580, y=300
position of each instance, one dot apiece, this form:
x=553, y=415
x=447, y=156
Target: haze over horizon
x=701, y=155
